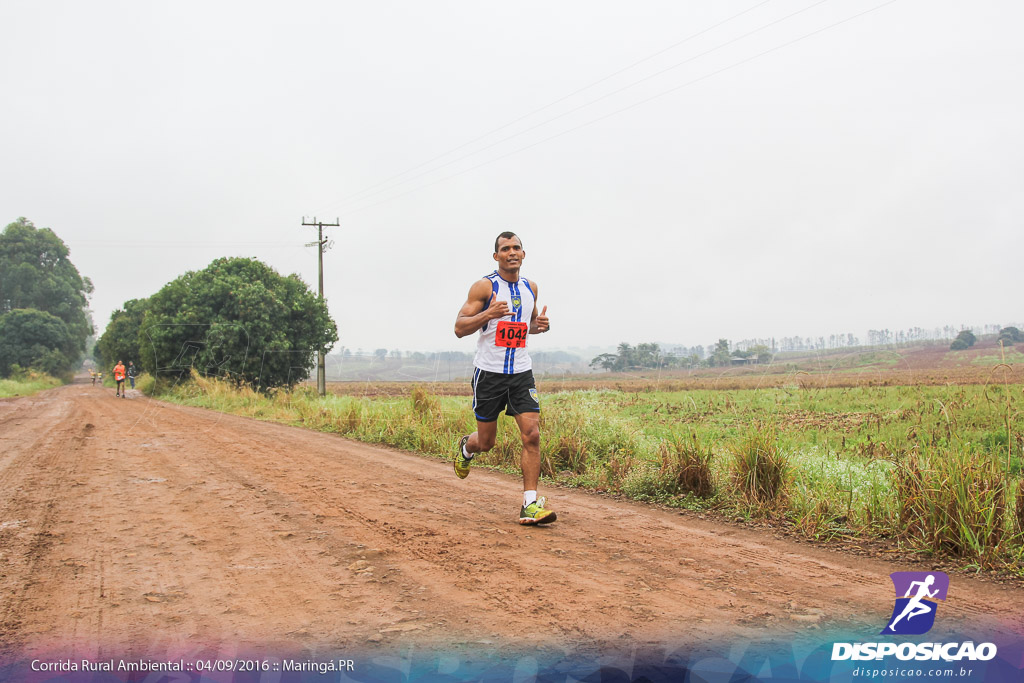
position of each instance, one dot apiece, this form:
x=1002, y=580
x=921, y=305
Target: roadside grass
x=27, y=383
x=935, y=469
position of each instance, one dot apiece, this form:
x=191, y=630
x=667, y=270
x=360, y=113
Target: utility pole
x=321, y=246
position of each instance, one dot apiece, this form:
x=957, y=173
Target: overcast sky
x=678, y=172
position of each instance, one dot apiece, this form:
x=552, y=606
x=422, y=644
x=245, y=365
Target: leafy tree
x=629, y=358
x=237, y=318
x=35, y=272
x=626, y=358
x=721, y=355
x=762, y=352
x=648, y=355
x=963, y=340
x=120, y=341
x=36, y=339
x=1010, y=335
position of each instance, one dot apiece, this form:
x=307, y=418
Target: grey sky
x=869, y=175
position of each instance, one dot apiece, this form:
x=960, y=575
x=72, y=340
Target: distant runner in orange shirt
x=119, y=373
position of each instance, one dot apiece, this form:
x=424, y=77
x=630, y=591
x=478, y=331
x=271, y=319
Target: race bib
x=511, y=334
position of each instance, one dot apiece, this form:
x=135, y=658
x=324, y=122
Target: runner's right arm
x=475, y=312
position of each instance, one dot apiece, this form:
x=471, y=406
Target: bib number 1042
x=511, y=334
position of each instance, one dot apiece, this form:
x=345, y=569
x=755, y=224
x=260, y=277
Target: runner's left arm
x=538, y=322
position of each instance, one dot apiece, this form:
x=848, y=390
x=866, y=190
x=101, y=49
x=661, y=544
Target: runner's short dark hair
x=506, y=236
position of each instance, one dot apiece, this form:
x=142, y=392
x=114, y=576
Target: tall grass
x=26, y=383
x=957, y=502
x=761, y=468
x=686, y=467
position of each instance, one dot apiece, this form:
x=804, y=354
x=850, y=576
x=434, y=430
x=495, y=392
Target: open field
x=925, y=365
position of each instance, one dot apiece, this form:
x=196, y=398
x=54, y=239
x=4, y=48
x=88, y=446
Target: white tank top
x=520, y=299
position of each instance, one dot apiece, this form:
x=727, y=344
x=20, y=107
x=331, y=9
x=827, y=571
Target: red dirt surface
x=130, y=526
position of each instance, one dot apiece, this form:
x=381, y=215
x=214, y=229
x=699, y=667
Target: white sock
x=529, y=497
x=466, y=454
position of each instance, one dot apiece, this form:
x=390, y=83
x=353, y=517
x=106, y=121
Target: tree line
x=237, y=319
x=650, y=355
x=723, y=353
x=44, y=318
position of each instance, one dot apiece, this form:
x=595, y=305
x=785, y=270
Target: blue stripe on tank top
x=514, y=287
x=508, y=351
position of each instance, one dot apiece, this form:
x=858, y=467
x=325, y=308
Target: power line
x=624, y=109
x=591, y=102
x=321, y=245
x=137, y=244
x=350, y=198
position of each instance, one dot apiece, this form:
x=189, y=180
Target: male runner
x=499, y=306
x=119, y=373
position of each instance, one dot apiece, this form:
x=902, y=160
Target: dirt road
x=128, y=526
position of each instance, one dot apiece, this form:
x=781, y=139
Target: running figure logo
x=914, y=612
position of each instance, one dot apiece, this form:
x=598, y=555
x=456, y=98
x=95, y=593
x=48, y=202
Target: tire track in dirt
x=37, y=466
x=178, y=530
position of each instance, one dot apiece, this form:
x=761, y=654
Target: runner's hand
x=498, y=309
x=542, y=321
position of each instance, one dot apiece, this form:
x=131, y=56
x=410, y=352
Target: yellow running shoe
x=462, y=463
x=534, y=513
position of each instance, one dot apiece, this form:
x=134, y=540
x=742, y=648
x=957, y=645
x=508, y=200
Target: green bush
x=955, y=501
x=760, y=467
x=686, y=468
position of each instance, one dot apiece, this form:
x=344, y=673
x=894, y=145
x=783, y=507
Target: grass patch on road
x=26, y=384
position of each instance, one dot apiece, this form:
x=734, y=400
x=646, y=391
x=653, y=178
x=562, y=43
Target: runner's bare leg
x=529, y=429
x=482, y=440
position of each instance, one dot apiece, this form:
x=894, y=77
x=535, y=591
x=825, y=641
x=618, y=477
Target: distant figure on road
x=502, y=307
x=119, y=373
x=131, y=373
x=92, y=373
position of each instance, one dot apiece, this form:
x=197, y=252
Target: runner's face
x=510, y=253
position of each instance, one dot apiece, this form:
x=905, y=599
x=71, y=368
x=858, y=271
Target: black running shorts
x=494, y=392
